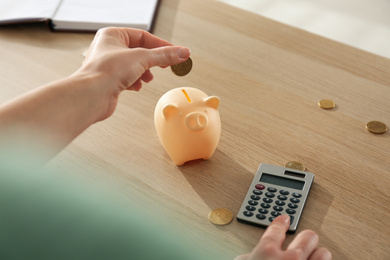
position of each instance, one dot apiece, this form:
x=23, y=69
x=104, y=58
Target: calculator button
x=267, y=200
x=275, y=214
x=292, y=206
x=290, y=211
x=260, y=186
x=255, y=197
x=269, y=194
x=248, y=213
x=257, y=192
x=294, y=200
x=252, y=203
x=282, y=197
x=296, y=195
x=271, y=219
x=291, y=219
x=271, y=189
x=261, y=216
x=280, y=203
x=265, y=205
x=263, y=211
x=250, y=208
x=278, y=208
x=284, y=192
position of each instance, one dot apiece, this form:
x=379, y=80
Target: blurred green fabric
x=42, y=217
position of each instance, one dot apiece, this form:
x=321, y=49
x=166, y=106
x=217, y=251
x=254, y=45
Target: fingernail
x=285, y=218
x=183, y=53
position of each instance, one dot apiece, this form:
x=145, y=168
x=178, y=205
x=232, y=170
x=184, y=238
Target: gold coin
x=183, y=68
x=326, y=104
x=221, y=216
x=376, y=127
x=295, y=165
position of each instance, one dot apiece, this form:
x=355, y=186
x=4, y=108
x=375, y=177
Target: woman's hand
x=304, y=246
x=43, y=121
x=122, y=58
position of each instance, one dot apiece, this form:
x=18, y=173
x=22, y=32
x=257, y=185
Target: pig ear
x=169, y=110
x=212, y=101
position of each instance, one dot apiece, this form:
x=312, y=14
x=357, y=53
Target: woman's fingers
x=272, y=240
x=147, y=76
x=164, y=56
x=321, y=254
x=276, y=232
x=305, y=242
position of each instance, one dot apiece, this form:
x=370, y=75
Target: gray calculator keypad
x=268, y=202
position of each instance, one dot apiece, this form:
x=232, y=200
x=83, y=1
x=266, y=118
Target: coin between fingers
x=183, y=68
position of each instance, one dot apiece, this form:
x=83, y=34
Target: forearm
x=42, y=122
x=47, y=119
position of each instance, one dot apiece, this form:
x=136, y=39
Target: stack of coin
x=183, y=68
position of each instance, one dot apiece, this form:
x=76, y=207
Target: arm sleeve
x=41, y=219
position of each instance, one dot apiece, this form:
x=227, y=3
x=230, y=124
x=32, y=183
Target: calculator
x=275, y=191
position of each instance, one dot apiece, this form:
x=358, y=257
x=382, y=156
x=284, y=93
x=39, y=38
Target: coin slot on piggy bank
x=188, y=124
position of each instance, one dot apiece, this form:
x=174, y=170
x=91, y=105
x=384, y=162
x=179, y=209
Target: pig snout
x=196, y=121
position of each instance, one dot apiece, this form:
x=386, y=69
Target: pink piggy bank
x=188, y=124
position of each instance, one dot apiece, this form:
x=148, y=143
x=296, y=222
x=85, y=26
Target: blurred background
x=364, y=24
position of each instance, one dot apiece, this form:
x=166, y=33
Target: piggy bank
x=188, y=124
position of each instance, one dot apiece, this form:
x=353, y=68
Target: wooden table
x=269, y=77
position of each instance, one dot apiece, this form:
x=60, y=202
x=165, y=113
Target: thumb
x=166, y=56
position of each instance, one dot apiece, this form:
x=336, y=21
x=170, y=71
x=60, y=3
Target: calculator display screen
x=286, y=182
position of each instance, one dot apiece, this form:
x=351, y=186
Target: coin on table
x=326, y=104
x=295, y=165
x=221, y=216
x=183, y=68
x=376, y=127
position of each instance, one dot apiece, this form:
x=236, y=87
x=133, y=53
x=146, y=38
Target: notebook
x=80, y=15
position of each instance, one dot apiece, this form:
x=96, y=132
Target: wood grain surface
x=269, y=77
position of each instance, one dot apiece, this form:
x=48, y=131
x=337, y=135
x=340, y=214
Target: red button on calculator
x=260, y=186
